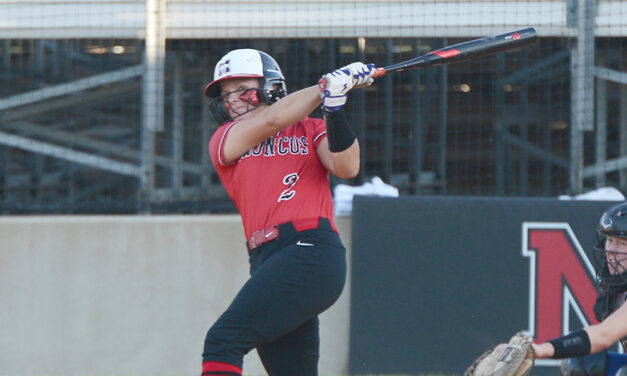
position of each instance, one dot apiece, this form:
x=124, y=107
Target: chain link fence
x=102, y=110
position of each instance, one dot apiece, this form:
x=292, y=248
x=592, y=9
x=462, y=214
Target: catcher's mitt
x=515, y=358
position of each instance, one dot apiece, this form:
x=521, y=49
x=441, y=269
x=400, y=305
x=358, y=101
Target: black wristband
x=339, y=133
x=571, y=346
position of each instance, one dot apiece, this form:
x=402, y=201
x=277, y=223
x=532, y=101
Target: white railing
x=288, y=19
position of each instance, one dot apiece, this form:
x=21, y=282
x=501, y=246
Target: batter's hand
x=362, y=74
x=335, y=86
x=333, y=89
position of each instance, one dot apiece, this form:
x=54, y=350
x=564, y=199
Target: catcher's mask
x=244, y=63
x=613, y=223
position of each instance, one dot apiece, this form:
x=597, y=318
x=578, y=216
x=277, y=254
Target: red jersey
x=279, y=180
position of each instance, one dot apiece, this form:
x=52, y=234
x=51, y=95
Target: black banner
x=436, y=281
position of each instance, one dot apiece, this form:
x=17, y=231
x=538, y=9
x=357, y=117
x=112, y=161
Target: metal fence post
x=153, y=92
x=582, y=89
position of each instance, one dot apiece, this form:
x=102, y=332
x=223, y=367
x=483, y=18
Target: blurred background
x=102, y=109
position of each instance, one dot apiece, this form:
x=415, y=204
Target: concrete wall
x=128, y=295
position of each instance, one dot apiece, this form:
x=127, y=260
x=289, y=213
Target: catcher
x=516, y=358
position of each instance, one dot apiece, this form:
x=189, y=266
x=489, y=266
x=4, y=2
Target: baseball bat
x=465, y=51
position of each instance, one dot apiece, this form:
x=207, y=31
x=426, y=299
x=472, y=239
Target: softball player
x=274, y=162
x=610, y=256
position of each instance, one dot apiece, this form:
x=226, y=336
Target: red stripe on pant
x=219, y=368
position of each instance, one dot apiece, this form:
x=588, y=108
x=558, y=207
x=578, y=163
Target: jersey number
x=288, y=193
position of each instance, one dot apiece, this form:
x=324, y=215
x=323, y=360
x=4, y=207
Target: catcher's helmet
x=613, y=223
x=246, y=63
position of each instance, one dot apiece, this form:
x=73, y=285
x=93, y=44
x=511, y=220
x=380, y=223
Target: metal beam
x=416, y=125
x=20, y=19
x=582, y=75
x=100, y=146
x=74, y=101
x=500, y=127
x=388, y=125
x=608, y=166
x=601, y=125
x=622, y=123
x=185, y=193
x=153, y=79
x=611, y=75
x=441, y=164
x=94, y=96
x=70, y=87
x=153, y=95
x=177, y=123
x=539, y=70
x=59, y=152
x=524, y=129
x=536, y=151
x=205, y=160
x=582, y=90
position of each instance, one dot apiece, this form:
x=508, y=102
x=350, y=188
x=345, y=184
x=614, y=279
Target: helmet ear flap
x=218, y=111
x=271, y=91
x=274, y=90
x=273, y=84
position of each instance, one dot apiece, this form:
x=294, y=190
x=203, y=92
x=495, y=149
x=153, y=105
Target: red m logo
x=560, y=277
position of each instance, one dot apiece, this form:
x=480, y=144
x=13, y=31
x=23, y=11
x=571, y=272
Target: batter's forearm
x=347, y=163
x=292, y=108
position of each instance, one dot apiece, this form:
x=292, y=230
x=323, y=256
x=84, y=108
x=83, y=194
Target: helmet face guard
x=219, y=106
x=246, y=63
x=611, y=266
x=613, y=281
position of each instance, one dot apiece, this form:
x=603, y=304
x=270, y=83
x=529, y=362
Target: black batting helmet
x=613, y=223
x=251, y=63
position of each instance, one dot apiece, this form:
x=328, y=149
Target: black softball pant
x=293, y=279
